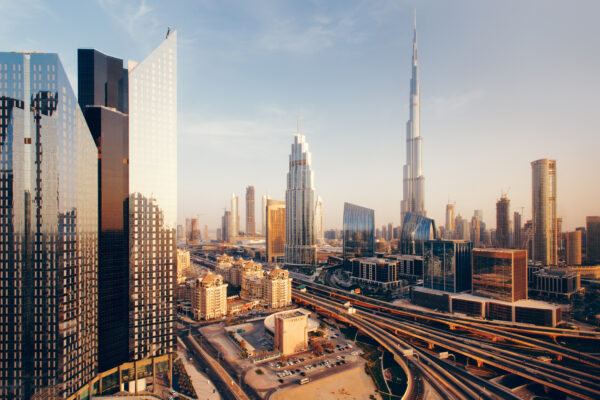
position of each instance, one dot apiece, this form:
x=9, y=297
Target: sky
x=503, y=83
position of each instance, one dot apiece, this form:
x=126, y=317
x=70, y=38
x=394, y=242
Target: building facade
x=209, y=297
x=277, y=290
x=500, y=274
x=275, y=231
x=291, y=334
x=447, y=265
x=49, y=235
x=592, y=239
x=234, y=218
x=300, y=241
x=502, y=223
x=545, y=248
x=250, y=212
x=413, y=187
x=319, y=222
x=264, y=214
x=183, y=263
x=449, y=220
x=574, y=248
x=416, y=230
x=517, y=231
x=359, y=231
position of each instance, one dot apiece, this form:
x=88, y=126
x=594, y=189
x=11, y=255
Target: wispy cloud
x=134, y=17
x=17, y=13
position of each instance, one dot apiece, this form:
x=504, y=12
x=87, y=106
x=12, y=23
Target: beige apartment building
x=183, y=263
x=209, y=297
x=291, y=334
x=277, y=288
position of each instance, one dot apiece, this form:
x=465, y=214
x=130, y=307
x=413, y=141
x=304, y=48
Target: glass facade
x=49, y=232
x=275, y=240
x=447, y=265
x=416, y=229
x=359, y=231
x=300, y=243
x=545, y=247
x=500, y=274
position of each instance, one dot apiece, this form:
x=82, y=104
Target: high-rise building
x=275, y=231
x=264, y=214
x=574, y=248
x=209, y=297
x=500, y=274
x=559, y=238
x=49, y=234
x=138, y=198
x=447, y=265
x=384, y=232
x=479, y=214
x=390, y=231
x=319, y=228
x=250, y=210
x=414, y=181
x=544, y=211
x=194, y=237
x=300, y=243
x=359, y=226
x=416, y=230
x=476, y=231
x=183, y=263
x=234, y=227
x=226, y=226
x=205, y=232
x=503, y=223
x=592, y=236
x=583, y=239
x=449, y=219
x=517, y=231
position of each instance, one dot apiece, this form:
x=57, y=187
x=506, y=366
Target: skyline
x=249, y=77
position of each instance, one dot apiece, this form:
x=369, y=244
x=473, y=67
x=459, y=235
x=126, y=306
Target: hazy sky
x=503, y=83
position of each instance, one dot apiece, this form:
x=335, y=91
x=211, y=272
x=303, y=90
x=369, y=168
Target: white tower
x=414, y=181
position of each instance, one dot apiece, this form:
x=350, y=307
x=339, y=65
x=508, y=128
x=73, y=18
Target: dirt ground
x=352, y=384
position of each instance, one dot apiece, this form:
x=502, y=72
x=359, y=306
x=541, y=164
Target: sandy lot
x=353, y=384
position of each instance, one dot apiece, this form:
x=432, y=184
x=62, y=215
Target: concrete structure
x=500, y=274
x=553, y=282
x=275, y=231
x=574, y=248
x=413, y=187
x=300, y=241
x=183, y=263
x=592, y=239
x=502, y=223
x=291, y=334
x=545, y=247
x=209, y=298
x=277, y=289
x=250, y=212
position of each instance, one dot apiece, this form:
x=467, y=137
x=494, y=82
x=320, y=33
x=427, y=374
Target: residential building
x=277, y=290
x=359, y=238
x=250, y=210
x=300, y=242
x=574, y=248
x=291, y=335
x=209, y=298
x=544, y=211
x=500, y=274
x=183, y=263
x=275, y=231
x=447, y=265
x=502, y=223
x=49, y=232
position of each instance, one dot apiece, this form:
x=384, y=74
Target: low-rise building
x=554, y=282
x=291, y=334
x=209, y=298
x=375, y=271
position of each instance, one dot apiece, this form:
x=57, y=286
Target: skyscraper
x=390, y=231
x=132, y=114
x=503, y=223
x=592, y=239
x=264, y=214
x=226, y=226
x=517, y=229
x=300, y=247
x=544, y=211
x=414, y=181
x=234, y=224
x=449, y=219
x=574, y=248
x=359, y=231
x=275, y=234
x=49, y=234
x=476, y=231
x=250, y=210
x=319, y=221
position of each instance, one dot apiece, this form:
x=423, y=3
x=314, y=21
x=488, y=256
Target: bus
x=303, y=381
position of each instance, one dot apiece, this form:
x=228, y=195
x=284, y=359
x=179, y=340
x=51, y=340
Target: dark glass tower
x=359, y=231
x=132, y=114
x=447, y=265
x=48, y=232
x=103, y=99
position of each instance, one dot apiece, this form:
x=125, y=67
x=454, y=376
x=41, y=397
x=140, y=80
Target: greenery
x=259, y=371
x=586, y=308
x=181, y=380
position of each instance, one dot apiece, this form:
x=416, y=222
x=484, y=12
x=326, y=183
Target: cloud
x=17, y=13
x=454, y=103
x=134, y=17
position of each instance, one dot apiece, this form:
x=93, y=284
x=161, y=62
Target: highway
x=575, y=382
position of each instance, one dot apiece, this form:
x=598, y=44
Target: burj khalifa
x=414, y=181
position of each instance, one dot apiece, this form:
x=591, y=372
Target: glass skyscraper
x=359, y=231
x=416, y=229
x=300, y=243
x=500, y=274
x=447, y=265
x=137, y=146
x=543, y=189
x=49, y=232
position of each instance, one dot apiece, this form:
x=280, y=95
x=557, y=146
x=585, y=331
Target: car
x=280, y=380
x=302, y=374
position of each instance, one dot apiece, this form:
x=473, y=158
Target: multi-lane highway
x=516, y=353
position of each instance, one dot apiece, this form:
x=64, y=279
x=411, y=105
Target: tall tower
x=319, y=234
x=250, y=209
x=265, y=198
x=502, y=222
x=414, y=181
x=517, y=229
x=449, y=219
x=234, y=226
x=544, y=211
x=300, y=247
